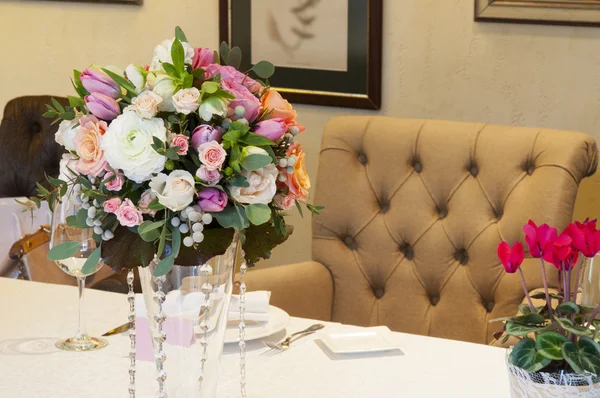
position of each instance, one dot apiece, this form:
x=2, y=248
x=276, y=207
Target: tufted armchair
x=414, y=212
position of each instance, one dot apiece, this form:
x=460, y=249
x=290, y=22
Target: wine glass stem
x=81, y=331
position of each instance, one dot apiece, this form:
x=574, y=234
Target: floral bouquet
x=564, y=333
x=170, y=159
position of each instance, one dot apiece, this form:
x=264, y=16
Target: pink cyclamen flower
x=102, y=106
x=585, y=237
x=96, y=81
x=202, y=58
x=203, y=134
x=116, y=183
x=111, y=205
x=562, y=254
x=182, y=141
x=87, y=142
x=211, y=177
x=511, y=258
x=539, y=239
x=272, y=129
x=128, y=215
x=212, y=155
x=212, y=200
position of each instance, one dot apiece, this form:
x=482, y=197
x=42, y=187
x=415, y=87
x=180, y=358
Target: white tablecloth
x=430, y=367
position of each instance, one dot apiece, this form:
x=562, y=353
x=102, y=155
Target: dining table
x=34, y=315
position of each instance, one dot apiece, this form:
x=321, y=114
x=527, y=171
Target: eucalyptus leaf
x=256, y=140
x=164, y=266
x=224, y=50
x=255, y=162
x=232, y=217
x=210, y=87
x=239, y=180
x=258, y=213
x=175, y=240
x=299, y=208
x=92, y=261
x=549, y=345
x=264, y=69
x=149, y=230
x=232, y=136
x=234, y=58
x=63, y=251
x=57, y=105
x=523, y=354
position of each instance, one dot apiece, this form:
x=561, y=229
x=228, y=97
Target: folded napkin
x=257, y=307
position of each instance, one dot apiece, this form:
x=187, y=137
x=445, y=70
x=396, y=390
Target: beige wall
x=438, y=63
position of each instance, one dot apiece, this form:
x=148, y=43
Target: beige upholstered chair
x=414, y=212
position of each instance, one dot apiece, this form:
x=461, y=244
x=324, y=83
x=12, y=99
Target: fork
x=285, y=344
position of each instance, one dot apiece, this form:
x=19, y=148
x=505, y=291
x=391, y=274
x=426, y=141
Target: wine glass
x=62, y=233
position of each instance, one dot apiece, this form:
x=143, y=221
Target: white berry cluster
x=192, y=220
x=95, y=212
x=286, y=167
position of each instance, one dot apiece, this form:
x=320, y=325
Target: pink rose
x=205, y=133
x=202, y=58
x=116, y=183
x=212, y=200
x=244, y=98
x=230, y=74
x=87, y=142
x=285, y=202
x=212, y=155
x=129, y=215
x=211, y=177
x=147, y=197
x=182, y=141
x=111, y=205
x=272, y=129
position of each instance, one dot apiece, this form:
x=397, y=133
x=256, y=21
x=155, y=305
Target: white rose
x=165, y=87
x=212, y=106
x=66, y=132
x=262, y=186
x=162, y=53
x=137, y=76
x=127, y=145
x=174, y=191
x=186, y=100
x=145, y=105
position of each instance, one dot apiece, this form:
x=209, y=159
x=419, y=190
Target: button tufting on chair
x=434, y=300
x=418, y=167
x=530, y=170
x=384, y=206
x=379, y=293
x=462, y=256
x=474, y=170
x=362, y=158
x=443, y=212
x=348, y=241
x=489, y=306
x=408, y=252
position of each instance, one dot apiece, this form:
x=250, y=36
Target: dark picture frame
x=126, y=2
x=357, y=87
x=545, y=12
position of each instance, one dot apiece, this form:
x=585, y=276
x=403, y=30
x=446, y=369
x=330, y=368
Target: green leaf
x=264, y=69
x=234, y=58
x=583, y=357
x=255, y=162
x=148, y=230
x=127, y=250
x=72, y=221
x=523, y=355
x=258, y=213
x=155, y=205
x=256, y=140
x=75, y=101
x=188, y=80
x=170, y=69
x=517, y=329
x=239, y=126
x=171, y=153
x=198, y=73
x=271, y=153
x=239, y=180
x=232, y=217
x=180, y=35
x=210, y=87
x=299, y=208
x=121, y=81
x=224, y=50
x=215, y=57
x=261, y=239
x=161, y=242
x=164, y=266
x=158, y=145
x=49, y=114
x=568, y=307
x=540, y=363
x=178, y=55
x=63, y=251
x=92, y=261
x=175, y=240
x=549, y=345
x=57, y=105
x=529, y=319
x=232, y=136
x=568, y=325
x=542, y=296
x=216, y=241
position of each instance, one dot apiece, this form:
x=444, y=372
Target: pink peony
x=111, y=205
x=244, y=98
x=182, y=141
x=212, y=155
x=129, y=215
x=87, y=142
x=147, y=197
x=205, y=133
x=202, y=58
x=212, y=200
x=116, y=183
x=211, y=177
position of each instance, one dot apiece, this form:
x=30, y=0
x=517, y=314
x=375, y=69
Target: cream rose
x=145, y=104
x=262, y=186
x=186, y=100
x=174, y=191
x=66, y=132
x=128, y=142
x=212, y=155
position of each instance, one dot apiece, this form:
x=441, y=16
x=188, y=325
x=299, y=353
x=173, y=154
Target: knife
x=119, y=329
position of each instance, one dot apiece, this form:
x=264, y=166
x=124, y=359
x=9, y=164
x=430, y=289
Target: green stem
x=531, y=306
x=548, y=302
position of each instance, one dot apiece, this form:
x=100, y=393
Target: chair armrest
x=304, y=290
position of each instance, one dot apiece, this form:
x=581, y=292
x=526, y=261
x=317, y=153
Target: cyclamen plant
x=170, y=159
x=563, y=333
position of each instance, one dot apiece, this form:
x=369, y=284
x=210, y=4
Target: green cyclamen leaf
x=180, y=35
x=523, y=355
x=164, y=266
x=258, y=213
x=63, y=251
x=549, y=345
x=584, y=356
x=264, y=69
x=255, y=162
x=92, y=261
x=568, y=307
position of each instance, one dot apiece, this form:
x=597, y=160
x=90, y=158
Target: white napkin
x=257, y=306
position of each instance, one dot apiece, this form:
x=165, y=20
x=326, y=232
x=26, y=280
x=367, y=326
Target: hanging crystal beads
x=242, y=326
x=205, y=272
x=161, y=336
x=131, y=300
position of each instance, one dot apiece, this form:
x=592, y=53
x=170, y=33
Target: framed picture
x=552, y=12
x=130, y=2
x=326, y=52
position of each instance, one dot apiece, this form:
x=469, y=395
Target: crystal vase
x=187, y=312
x=524, y=384
x=589, y=284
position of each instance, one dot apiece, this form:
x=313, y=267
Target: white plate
x=278, y=320
x=374, y=339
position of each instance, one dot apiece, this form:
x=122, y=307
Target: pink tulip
x=102, y=106
x=203, y=134
x=96, y=81
x=212, y=200
x=202, y=58
x=272, y=129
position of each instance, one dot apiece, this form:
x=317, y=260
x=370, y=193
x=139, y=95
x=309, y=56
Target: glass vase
x=187, y=313
x=589, y=284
